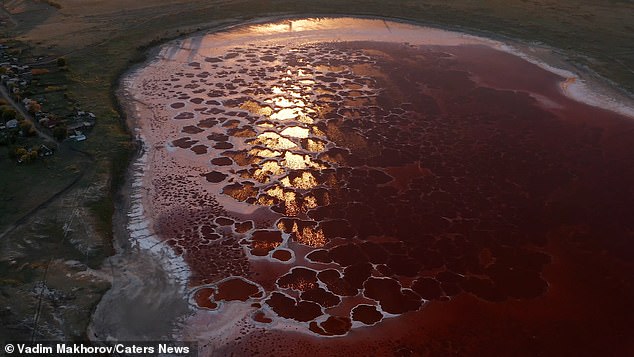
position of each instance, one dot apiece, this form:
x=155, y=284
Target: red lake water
x=360, y=186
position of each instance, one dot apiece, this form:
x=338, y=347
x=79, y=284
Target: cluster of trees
x=23, y=155
x=27, y=128
x=9, y=136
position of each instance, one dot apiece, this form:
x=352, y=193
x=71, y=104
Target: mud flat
x=362, y=186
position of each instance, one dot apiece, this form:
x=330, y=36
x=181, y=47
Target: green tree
x=8, y=114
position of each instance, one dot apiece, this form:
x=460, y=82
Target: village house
x=12, y=124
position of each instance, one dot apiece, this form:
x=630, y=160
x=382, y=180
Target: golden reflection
x=296, y=132
x=275, y=150
x=268, y=168
x=273, y=140
x=315, y=145
x=299, y=162
x=256, y=108
x=286, y=114
x=263, y=246
x=302, y=285
x=277, y=192
x=305, y=181
x=272, y=167
x=266, y=125
x=310, y=202
x=305, y=119
x=266, y=153
x=286, y=103
x=317, y=131
x=265, y=200
x=290, y=204
x=309, y=236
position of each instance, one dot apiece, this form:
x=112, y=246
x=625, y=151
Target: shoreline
x=127, y=193
x=136, y=258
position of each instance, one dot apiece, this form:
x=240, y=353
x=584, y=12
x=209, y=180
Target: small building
x=12, y=124
x=76, y=126
x=45, y=151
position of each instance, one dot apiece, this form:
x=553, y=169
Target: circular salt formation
x=365, y=176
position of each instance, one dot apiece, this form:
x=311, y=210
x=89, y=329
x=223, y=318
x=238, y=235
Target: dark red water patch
x=215, y=176
x=300, y=279
x=367, y=314
x=347, y=254
x=336, y=284
x=224, y=221
x=357, y=274
x=391, y=296
x=427, y=288
x=242, y=132
x=263, y=241
x=177, y=105
x=320, y=256
x=260, y=317
x=221, y=161
x=237, y=289
x=199, y=149
x=321, y=296
x=203, y=298
x=287, y=307
x=191, y=129
x=207, y=123
x=223, y=146
x=243, y=227
x=209, y=233
x=240, y=191
x=282, y=255
x=332, y=326
x=184, y=143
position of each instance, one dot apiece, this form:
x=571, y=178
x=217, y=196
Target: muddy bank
x=146, y=298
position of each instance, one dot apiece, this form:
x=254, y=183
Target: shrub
x=61, y=62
